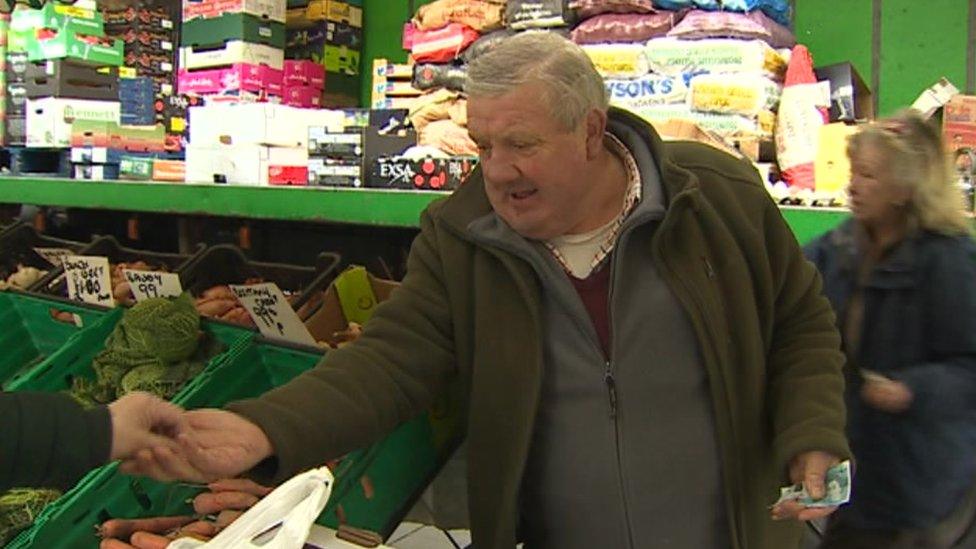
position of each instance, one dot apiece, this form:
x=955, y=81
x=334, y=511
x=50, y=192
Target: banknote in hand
x=837, y=484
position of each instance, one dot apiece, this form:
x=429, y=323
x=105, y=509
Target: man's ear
x=595, y=124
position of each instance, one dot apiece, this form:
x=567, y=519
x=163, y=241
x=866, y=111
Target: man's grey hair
x=572, y=86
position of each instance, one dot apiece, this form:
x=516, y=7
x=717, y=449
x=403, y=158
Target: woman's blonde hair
x=915, y=158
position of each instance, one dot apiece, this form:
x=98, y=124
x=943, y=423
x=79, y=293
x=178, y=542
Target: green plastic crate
x=32, y=334
x=400, y=466
x=248, y=369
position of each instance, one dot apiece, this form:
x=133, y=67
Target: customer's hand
x=810, y=470
x=211, y=444
x=887, y=395
x=142, y=421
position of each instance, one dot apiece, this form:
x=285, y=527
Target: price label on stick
x=89, y=280
x=54, y=256
x=149, y=284
x=272, y=313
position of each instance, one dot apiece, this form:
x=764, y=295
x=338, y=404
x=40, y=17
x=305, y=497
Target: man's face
x=534, y=169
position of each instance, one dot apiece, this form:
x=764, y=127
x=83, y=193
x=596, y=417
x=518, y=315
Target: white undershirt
x=579, y=250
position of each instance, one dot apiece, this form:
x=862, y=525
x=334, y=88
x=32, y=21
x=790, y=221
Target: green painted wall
x=836, y=31
x=920, y=42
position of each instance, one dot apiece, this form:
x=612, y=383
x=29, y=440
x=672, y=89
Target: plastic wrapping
x=449, y=137
x=746, y=26
x=625, y=27
x=441, y=45
x=802, y=112
x=778, y=10
x=725, y=125
x=485, y=44
x=618, y=60
x=477, y=14
x=429, y=76
x=646, y=91
x=589, y=8
x=538, y=14
x=675, y=57
x=742, y=93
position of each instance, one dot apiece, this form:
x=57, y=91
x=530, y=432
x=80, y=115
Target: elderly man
x=647, y=354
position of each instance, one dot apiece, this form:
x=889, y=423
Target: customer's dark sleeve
x=48, y=440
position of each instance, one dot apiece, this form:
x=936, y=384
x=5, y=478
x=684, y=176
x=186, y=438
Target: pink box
x=236, y=78
x=303, y=96
x=304, y=73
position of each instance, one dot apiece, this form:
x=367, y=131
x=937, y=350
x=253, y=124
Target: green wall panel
x=836, y=31
x=920, y=42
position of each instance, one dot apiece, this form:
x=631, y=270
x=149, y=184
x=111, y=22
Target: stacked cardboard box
x=232, y=50
x=304, y=81
x=251, y=143
x=330, y=33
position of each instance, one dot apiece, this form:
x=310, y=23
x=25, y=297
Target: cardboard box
x=240, y=77
x=16, y=100
x=337, y=145
x=15, y=67
x=317, y=43
x=326, y=10
x=150, y=18
x=232, y=53
x=15, y=131
x=323, y=172
x=238, y=164
x=136, y=168
x=62, y=44
x=850, y=97
x=63, y=78
x=832, y=168
x=232, y=26
x=86, y=133
x=351, y=297
x=169, y=170
x=437, y=174
x=959, y=123
x=59, y=17
x=98, y=172
x=304, y=73
x=49, y=119
x=306, y=97
x=264, y=9
x=256, y=124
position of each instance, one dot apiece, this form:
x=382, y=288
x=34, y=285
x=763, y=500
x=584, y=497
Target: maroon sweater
x=594, y=290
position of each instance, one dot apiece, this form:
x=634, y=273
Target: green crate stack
x=399, y=466
x=33, y=334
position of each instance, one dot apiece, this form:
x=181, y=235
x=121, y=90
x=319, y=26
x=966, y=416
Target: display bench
x=374, y=207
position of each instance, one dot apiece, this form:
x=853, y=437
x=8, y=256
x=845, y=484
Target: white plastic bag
x=294, y=506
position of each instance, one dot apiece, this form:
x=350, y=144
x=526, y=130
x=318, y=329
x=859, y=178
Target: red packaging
x=802, y=112
x=288, y=175
x=442, y=45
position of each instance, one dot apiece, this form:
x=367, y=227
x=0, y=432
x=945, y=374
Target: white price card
x=149, y=284
x=89, y=280
x=272, y=313
x=54, y=256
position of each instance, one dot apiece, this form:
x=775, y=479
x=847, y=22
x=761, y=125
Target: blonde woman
x=901, y=276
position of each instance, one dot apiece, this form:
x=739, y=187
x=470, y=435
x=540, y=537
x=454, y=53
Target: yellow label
x=177, y=125
x=832, y=168
x=74, y=11
x=127, y=72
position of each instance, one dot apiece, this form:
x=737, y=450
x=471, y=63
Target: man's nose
x=499, y=169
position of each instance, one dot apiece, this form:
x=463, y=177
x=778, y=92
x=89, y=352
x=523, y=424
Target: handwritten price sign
x=147, y=284
x=54, y=256
x=272, y=313
x=89, y=280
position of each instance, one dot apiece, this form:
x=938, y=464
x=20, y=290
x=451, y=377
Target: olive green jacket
x=472, y=313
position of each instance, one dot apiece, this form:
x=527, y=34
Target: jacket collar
x=470, y=202
x=897, y=268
